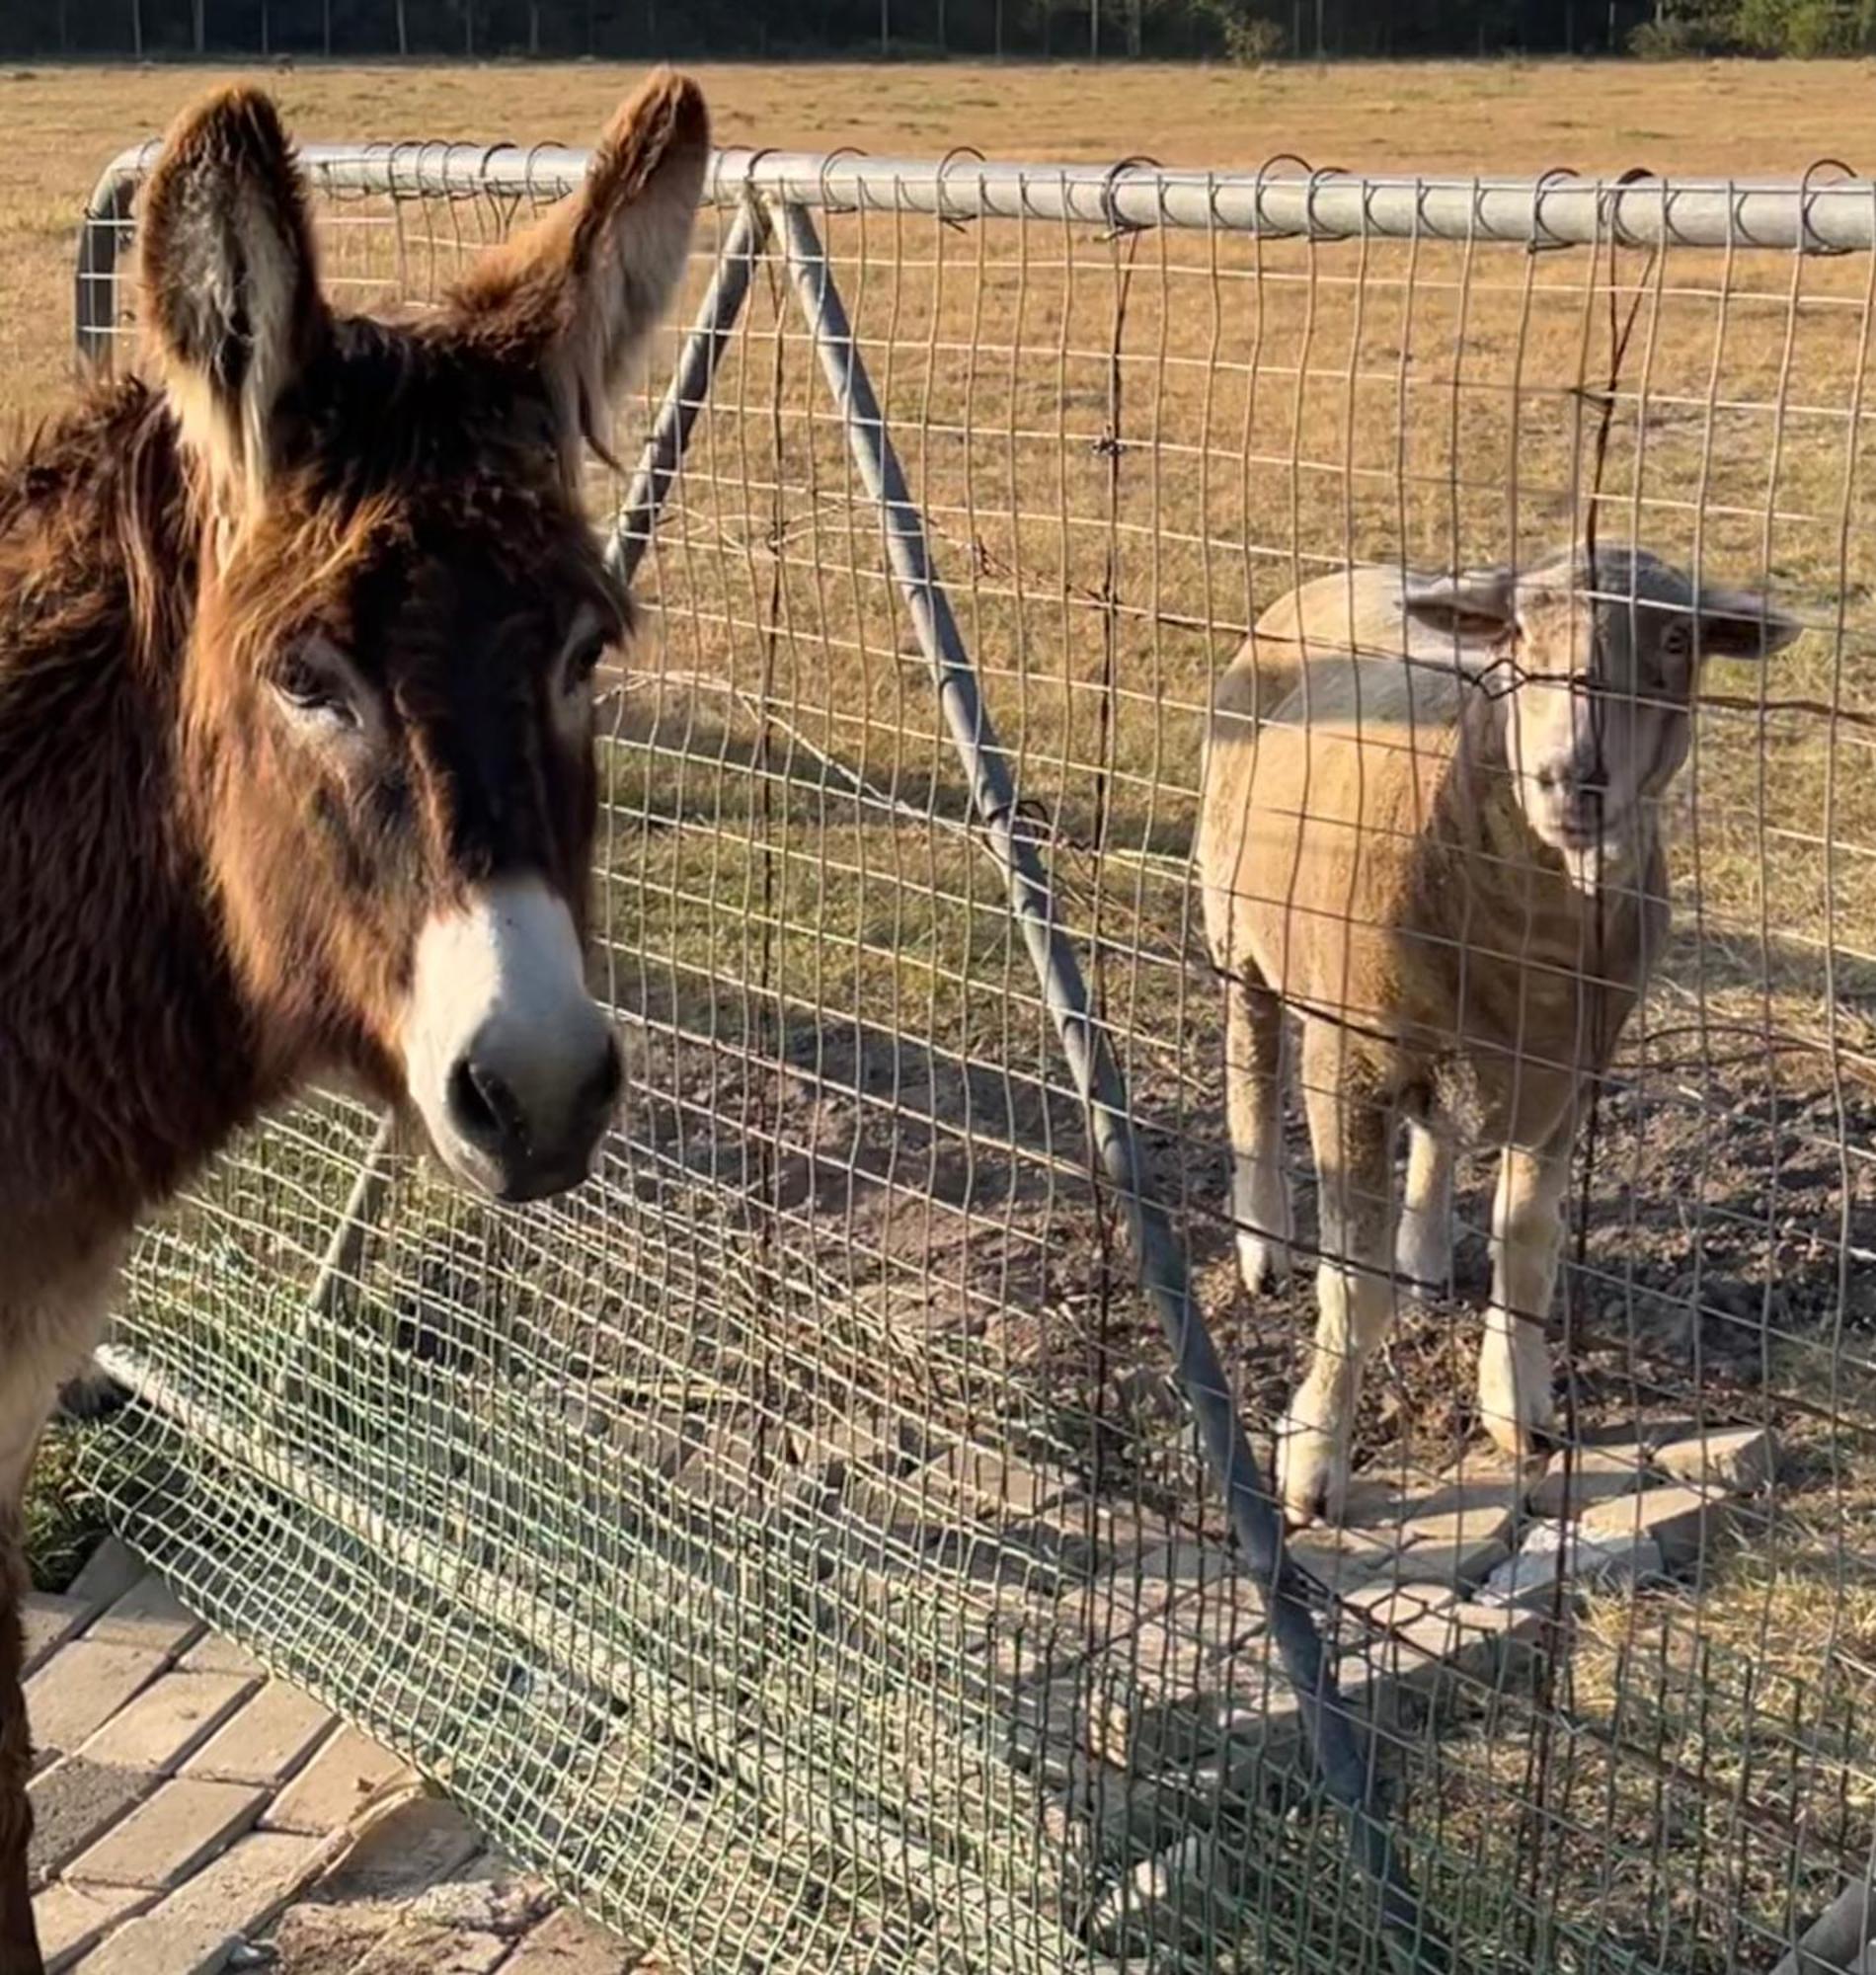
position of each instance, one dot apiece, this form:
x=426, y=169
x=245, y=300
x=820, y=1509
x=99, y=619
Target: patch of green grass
x=64, y=1520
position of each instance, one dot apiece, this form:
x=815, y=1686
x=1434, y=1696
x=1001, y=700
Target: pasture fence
x=798, y=1542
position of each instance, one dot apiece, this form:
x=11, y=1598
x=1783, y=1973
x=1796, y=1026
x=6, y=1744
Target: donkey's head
x=388, y=698
x=1595, y=667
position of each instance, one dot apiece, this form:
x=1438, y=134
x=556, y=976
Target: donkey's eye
x=584, y=660
x=315, y=690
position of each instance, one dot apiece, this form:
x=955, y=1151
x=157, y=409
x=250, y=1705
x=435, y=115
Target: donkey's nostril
x=484, y=1109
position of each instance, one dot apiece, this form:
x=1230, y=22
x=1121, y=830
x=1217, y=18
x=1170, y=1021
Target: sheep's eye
x=1677, y=638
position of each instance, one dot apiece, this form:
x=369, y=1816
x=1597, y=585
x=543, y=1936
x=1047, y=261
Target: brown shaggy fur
x=202, y=908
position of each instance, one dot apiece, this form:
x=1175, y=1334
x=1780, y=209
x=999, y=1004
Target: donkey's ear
x=1475, y=603
x=576, y=295
x=1742, y=624
x=231, y=288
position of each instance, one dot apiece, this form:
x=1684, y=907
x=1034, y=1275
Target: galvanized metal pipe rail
x=1557, y=210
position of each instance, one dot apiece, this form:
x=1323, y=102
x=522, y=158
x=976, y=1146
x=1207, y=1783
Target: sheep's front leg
x=1254, y=1110
x=1514, y=1397
x=1353, y=1137
x=1422, y=1248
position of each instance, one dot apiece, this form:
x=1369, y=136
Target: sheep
x=1436, y=838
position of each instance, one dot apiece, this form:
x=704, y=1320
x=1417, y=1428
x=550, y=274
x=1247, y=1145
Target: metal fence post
x=1341, y=1755
x=100, y=243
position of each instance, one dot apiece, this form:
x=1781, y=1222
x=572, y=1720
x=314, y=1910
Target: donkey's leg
x=91, y=1393
x=19, y=1937
x=1352, y=1130
x=1423, y=1247
x=1254, y=1110
x=1514, y=1397
x=51, y=1330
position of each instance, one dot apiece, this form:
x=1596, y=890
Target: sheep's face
x=1594, y=672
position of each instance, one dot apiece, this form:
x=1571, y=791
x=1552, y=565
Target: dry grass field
x=1125, y=449
x=1745, y=117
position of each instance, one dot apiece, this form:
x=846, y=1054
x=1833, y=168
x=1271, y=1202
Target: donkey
x=297, y=732
x=1454, y=873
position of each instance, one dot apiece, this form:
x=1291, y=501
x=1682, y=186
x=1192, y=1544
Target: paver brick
x=215, y=1654
x=1394, y=1604
x=74, y=1803
x=71, y=1918
x=1682, y=1520
x=331, y=1789
x=171, y=1833
x=402, y=1851
x=1459, y=1562
x=568, y=1943
x=267, y=1741
x=47, y=1619
x=1471, y=1504
x=1342, y=1558
x=148, y=1614
x=1175, y=1679
x=171, y=1718
x=1147, y=1580
x=192, y=1931
x=78, y=1690
x=984, y=1478
x=1595, y=1475
x=108, y=1573
x=1575, y=1556
x=1511, y=1636
x=1741, y=1459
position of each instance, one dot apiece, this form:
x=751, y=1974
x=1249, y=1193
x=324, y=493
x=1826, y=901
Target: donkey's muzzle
x=528, y=1136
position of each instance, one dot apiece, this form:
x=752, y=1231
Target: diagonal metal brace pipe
x=1342, y=1757
x=684, y=397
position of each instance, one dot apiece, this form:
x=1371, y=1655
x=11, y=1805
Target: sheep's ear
x=576, y=295
x=230, y=285
x=1474, y=605
x=1742, y=624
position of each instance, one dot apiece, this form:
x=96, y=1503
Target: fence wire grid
x=793, y=1542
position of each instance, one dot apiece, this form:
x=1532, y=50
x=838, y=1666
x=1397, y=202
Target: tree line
x=1245, y=31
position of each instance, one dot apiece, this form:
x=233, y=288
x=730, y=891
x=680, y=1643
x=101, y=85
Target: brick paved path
x=193, y=1815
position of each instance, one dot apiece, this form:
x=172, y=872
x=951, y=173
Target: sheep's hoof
x=1423, y=1255
x=1312, y=1476
x=1423, y=1272
x=1515, y=1398
x=1263, y=1262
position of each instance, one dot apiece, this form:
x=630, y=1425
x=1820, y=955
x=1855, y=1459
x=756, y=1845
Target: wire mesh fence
x=795, y=1540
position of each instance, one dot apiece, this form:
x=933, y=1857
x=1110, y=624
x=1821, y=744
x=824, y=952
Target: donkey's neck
x=126, y=1059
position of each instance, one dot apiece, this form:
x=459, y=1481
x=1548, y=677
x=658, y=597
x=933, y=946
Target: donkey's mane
x=99, y=536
